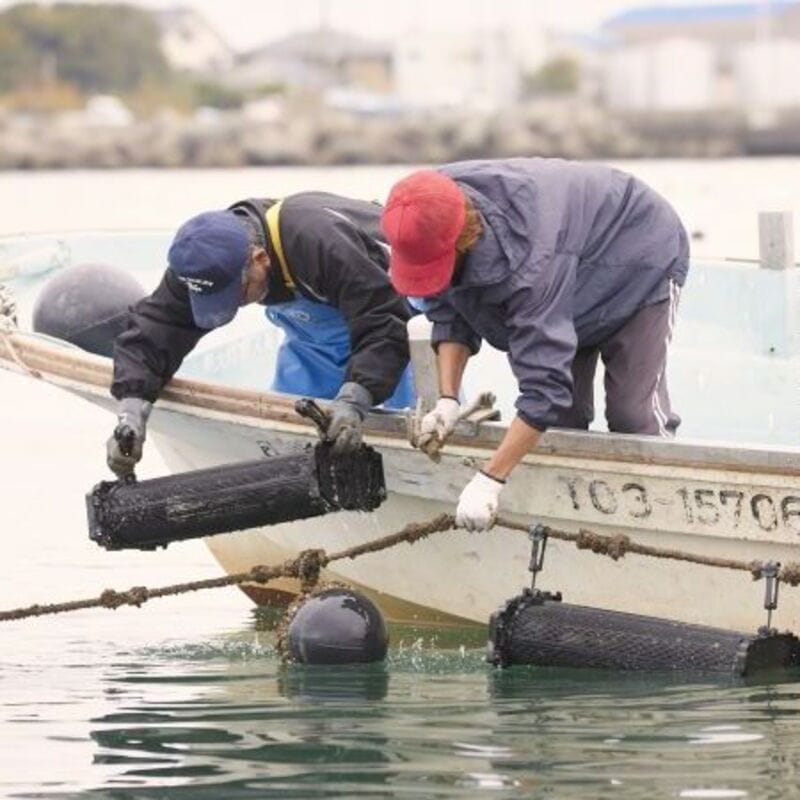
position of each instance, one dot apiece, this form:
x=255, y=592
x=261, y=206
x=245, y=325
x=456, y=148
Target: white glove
x=439, y=423
x=477, y=506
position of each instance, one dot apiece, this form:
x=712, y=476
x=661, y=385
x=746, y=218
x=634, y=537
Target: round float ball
x=86, y=305
x=338, y=626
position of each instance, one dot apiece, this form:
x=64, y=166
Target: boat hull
x=733, y=376
x=695, y=508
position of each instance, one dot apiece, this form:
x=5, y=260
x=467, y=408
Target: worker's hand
x=124, y=447
x=477, y=506
x=439, y=423
x=346, y=414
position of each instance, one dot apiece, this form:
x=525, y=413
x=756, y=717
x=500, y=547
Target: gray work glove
x=124, y=447
x=346, y=417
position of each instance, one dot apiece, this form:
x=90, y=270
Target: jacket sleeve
x=542, y=340
x=159, y=335
x=449, y=325
x=336, y=266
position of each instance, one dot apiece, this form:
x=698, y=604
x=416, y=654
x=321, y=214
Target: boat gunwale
x=65, y=364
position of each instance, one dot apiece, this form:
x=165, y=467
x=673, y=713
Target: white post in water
x=777, y=310
x=776, y=240
x=423, y=360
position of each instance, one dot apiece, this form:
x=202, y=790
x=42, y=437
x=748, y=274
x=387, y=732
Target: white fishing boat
x=728, y=486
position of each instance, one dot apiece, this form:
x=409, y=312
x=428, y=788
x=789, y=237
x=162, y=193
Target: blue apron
x=314, y=354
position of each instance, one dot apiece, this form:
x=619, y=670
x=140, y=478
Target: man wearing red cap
x=556, y=263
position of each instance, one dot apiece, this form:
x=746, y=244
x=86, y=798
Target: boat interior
x=734, y=365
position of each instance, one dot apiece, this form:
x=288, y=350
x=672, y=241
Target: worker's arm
x=160, y=333
x=542, y=344
x=439, y=422
x=451, y=358
x=520, y=439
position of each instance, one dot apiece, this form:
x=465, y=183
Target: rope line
x=309, y=563
x=8, y=324
x=616, y=546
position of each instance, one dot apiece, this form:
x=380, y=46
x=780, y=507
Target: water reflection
x=252, y=729
x=225, y=718
x=356, y=683
x=692, y=736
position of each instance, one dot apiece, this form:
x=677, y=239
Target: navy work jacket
x=569, y=252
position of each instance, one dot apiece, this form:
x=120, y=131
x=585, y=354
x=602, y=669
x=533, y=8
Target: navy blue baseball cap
x=209, y=255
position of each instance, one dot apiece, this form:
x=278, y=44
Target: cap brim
x=214, y=310
x=422, y=280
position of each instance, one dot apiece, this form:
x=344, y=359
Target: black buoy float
x=337, y=626
x=86, y=305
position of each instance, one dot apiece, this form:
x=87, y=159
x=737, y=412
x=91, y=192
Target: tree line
x=97, y=48
x=52, y=57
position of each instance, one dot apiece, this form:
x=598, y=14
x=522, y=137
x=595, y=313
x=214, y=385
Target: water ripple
x=227, y=719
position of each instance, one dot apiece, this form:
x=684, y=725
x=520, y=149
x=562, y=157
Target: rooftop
x=732, y=12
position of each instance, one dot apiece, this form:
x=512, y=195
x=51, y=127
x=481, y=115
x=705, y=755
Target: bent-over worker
x=556, y=263
x=318, y=263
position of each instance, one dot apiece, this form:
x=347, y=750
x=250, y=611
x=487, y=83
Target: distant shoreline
x=570, y=130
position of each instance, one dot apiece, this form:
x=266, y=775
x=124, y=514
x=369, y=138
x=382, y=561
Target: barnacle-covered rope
x=308, y=564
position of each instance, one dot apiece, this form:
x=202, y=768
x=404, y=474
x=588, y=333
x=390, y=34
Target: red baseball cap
x=422, y=220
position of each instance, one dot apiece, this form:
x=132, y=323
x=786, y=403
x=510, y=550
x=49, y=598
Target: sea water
x=185, y=697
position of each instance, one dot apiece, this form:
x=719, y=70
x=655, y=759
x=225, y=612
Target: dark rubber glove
x=347, y=413
x=124, y=447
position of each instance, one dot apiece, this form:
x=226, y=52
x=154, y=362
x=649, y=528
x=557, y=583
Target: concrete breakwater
x=322, y=137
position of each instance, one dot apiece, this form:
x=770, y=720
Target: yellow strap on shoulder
x=274, y=228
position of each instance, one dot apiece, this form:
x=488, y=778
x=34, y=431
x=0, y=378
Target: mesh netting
x=234, y=497
x=550, y=633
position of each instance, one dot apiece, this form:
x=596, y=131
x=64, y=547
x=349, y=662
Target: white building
x=316, y=60
x=768, y=74
x=738, y=56
x=190, y=43
x=669, y=75
x=462, y=70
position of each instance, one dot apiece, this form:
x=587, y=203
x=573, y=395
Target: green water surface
x=221, y=717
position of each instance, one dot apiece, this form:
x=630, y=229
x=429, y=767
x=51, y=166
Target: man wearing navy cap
x=318, y=263
x=556, y=263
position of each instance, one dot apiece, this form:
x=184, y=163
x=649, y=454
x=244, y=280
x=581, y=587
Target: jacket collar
x=496, y=253
x=255, y=210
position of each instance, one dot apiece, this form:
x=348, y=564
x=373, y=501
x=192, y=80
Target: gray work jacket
x=569, y=252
